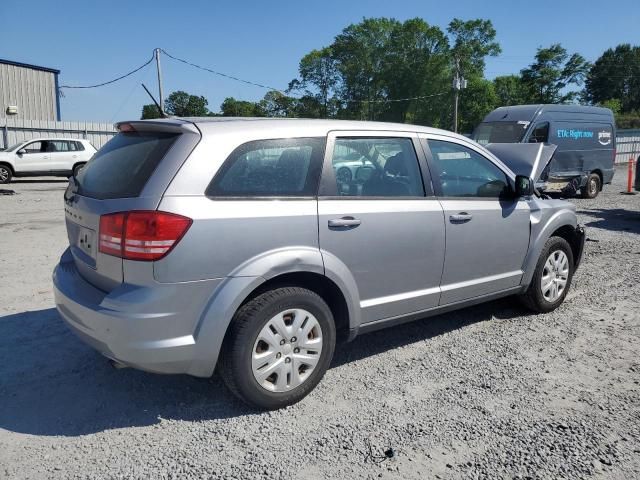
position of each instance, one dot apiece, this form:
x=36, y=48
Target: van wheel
x=5, y=174
x=278, y=347
x=592, y=188
x=552, y=277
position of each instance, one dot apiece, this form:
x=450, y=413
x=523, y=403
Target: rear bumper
x=151, y=328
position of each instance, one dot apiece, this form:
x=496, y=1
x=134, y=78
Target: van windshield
x=121, y=168
x=500, y=132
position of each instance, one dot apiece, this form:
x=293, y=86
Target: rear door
x=130, y=172
x=487, y=230
x=378, y=216
x=61, y=155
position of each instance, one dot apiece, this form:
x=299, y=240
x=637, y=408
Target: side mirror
x=22, y=151
x=524, y=186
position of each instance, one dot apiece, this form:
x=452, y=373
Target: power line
x=248, y=82
x=232, y=77
x=111, y=81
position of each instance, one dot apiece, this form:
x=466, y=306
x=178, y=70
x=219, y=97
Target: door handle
x=462, y=217
x=344, y=222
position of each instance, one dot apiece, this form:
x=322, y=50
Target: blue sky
x=94, y=41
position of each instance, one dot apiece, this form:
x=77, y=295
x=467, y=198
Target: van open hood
x=529, y=159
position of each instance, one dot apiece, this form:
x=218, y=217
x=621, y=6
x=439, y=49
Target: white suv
x=44, y=156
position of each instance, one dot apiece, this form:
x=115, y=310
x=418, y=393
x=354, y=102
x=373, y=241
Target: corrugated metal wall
x=13, y=130
x=627, y=145
x=32, y=91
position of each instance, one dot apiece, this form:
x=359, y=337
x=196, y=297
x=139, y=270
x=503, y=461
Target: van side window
x=462, y=172
x=376, y=167
x=287, y=167
x=540, y=133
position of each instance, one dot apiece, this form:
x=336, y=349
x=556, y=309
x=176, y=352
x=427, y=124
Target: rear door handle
x=462, y=217
x=344, y=222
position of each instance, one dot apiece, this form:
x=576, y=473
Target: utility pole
x=458, y=84
x=157, y=52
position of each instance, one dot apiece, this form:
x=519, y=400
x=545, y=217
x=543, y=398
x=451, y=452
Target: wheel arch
x=561, y=222
x=301, y=267
x=3, y=162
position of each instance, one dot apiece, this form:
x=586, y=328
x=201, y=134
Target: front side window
x=376, y=167
x=462, y=172
x=287, y=167
x=540, y=133
x=34, y=147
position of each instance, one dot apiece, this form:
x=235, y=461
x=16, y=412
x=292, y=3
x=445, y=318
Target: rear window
x=271, y=168
x=121, y=168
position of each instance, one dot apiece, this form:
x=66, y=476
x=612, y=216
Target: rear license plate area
x=86, y=242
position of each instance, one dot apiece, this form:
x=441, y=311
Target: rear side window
x=79, y=146
x=271, y=168
x=121, y=168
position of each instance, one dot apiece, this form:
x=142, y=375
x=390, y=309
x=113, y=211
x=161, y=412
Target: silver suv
x=232, y=243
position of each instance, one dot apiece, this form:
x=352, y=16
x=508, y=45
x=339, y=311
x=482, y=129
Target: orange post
x=630, y=176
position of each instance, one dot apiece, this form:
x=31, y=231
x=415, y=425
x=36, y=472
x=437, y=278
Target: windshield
x=500, y=132
x=13, y=147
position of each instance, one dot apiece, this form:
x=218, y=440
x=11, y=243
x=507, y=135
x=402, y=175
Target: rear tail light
x=141, y=235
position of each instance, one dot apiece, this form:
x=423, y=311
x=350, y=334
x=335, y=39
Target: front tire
x=5, y=174
x=552, y=277
x=278, y=347
x=592, y=188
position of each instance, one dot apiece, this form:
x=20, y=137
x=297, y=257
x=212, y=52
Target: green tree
x=182, y=104
x=231, y=107
x=552, y=72
x=150, y=111
x=509, y=90
x=277, y=104
x=478, y=99
x=616, y=75
x=472, y=41
x=318, y=77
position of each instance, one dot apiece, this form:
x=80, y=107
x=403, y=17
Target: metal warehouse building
x=28, y=92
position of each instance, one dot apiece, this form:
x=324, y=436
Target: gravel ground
x=486, y=392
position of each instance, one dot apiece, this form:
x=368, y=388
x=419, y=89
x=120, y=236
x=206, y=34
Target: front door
x=378, y=220
x=487, y=229
x=33, y=158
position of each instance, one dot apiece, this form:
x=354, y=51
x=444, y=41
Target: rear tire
x=551, y=280
x=5, y=173
x=278, y=347
x=593, y=186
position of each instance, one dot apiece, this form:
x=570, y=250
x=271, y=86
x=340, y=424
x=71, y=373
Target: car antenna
x=162, y=114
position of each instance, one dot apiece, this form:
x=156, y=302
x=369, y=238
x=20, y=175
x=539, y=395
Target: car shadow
x=614, y=219
x=53, y=384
